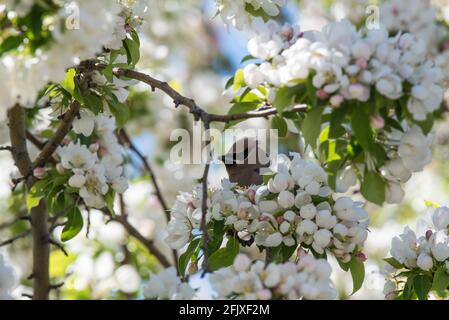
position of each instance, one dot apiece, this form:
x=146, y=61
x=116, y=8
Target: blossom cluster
x=166, y=285
x=308, y=279
x=105, y=22
x=295, y=207
x=235, y=13
x=345, y=64
x=98, y=167
x=411, y=152
x=7, y=279
x=426, y=252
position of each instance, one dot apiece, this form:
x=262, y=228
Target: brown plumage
x=244, y=161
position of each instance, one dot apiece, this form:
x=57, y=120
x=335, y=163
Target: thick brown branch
x=64, y=128
x=39, y=215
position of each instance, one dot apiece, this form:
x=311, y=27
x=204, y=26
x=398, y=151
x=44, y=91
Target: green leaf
x=239, y=80
x=93, y=102
x=33, y=200
x=109, y=198
x=187, y=255
x=74, y=224
x=311, y=126
x=224, y=257
x=10, y=43
x=422, y=285
x=373, y=187
x=343, y=265
x=394, y=263
x=133, y=51
x=36, y=193
x=280, y=124
x=358, y=274
x=440, y=281
x=336, y=129
x=283, y=99
x=120, y=111
x=217, y=236
x=257, y=13
x=408, y=288
x=362, y=128
x=69, y=81
x=247, y=58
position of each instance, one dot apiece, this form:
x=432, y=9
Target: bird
x=243, y=162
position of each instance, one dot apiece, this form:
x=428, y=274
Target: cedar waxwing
x=244, y=161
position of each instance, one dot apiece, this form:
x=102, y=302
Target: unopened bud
x=428, y=234
x=280, y=219
x=377, y=122
x=361, y=257
x=39, y=172
x=94, y=147
x=321, y=94
x=336, y=100
x=251, y=194
x=241, y=214
x=66, y=141
x=60, y=168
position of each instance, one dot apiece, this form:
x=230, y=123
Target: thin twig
x=58, y=245
x=5, y=148
x=16, y=237
x=39, y=144
x=203, y=225
x=63, y=129
x=132, y=231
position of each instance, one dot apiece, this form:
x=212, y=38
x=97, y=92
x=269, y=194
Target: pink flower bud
x=264, y=218
x=336, y=100
x=60, y=168
x=191, y=206
x=94, y=147
x=251, y=194
x=428, y=234
x=39, y=172
x=377, y=122
x=321, y=94
x=445, y=46
x=128, y=28
x=361, y=63
x=361, y=257
x=66, y=141
x=241, y=214
x=280, y=219
x=287, y=32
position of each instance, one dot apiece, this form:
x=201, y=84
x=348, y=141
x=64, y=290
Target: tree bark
x=39, y=215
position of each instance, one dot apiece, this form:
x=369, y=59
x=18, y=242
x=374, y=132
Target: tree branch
x=39, y=215
x=203, y=224
x=132, y=231
x=123, y=135
x=64, y=128
x=16, y=237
